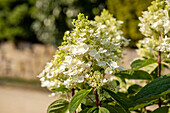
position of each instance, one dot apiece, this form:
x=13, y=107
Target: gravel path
x=19, y=100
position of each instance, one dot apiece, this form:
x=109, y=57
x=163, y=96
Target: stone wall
x=28, y=60
x=24, y=61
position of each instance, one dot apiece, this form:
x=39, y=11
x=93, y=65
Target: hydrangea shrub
x=87, y=61
x=89, y=52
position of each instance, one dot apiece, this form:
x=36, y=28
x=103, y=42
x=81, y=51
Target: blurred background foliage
x=54, y=17
x=45, y=21
x=128, y=11
x=15, y=20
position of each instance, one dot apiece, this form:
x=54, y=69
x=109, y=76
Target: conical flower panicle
x=89, y=51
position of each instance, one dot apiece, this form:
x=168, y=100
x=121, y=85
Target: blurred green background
x=45, y=21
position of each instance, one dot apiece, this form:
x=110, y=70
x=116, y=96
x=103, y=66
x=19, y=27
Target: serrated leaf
x=165, y=109
x=77, y=99
x=58, y=106
x=120, y=101
x=137, y=74
x=155, y=89
x=137, y=64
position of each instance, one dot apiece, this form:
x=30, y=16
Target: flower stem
x=97, y=98
x=91, y=99
x=159, y=66
x=73, y=92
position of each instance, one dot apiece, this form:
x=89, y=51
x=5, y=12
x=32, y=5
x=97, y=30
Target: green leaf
x=137, y=64
x=103, y=110
x=58, y=106
x=98, y=110
x=137, y=74
x=120, y=101
x=134, y=89
x=85, y=86
x=93, y=110
x=166, y=64
x=84, y=110
x=119, y=109
x=110, y=108
x=150, y=68
x=114, y=108
x=155, y=89
x=61, y=88
x=141, y=105
x=87, y=102
x=129, y=102
x=165, y=109
x=77, y=99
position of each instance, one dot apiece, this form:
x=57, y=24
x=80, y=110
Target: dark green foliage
x=154, y=89
x=137, y=74
x=134, y=89
x=97, y=110
x=49, y=18
x=119, y=100
x=15, y=20
x=93, y=110
x=129, y=11
x=114, y=108
x=165, y=109
x=54, y=17
x=142, y=104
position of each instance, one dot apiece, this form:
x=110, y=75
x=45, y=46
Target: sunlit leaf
x=137, y=64
x=77, y=99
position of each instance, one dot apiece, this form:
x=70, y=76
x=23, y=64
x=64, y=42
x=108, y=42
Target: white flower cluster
x=110, y=28
x=88, y=52
x=147, y=47
x=154, y=23
x=165, y=46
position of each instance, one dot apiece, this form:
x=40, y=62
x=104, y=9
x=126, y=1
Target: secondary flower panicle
x=90, y=50
x=154, y=23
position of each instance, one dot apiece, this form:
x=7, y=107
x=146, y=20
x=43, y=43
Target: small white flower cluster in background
x=154, y=23
x=147, y=47
x=88, y=53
